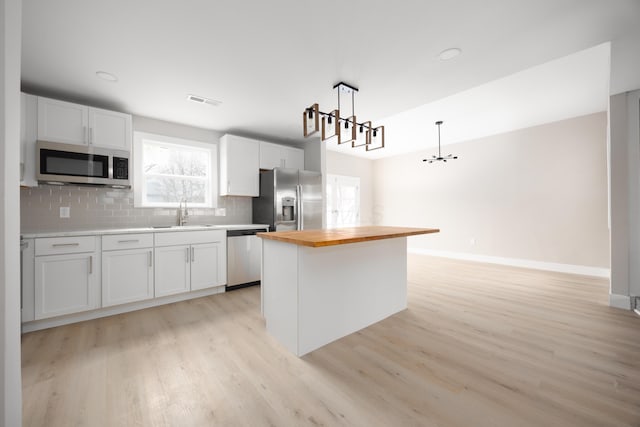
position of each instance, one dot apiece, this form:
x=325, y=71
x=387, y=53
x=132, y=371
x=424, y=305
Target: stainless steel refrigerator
x=290, y=199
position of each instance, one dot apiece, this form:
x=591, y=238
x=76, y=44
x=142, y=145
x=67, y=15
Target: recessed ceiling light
x=202, y=100
x=451, y=53
x=107, y=76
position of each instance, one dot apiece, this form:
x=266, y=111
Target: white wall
x=537, y=194
x=342, y=164
x=315, y=159
x=314, y=154
x=175, y=130
x=624, y=169
x=624, y=190
x=10, y=373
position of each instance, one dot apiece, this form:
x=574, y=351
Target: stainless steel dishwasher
x=244, y=256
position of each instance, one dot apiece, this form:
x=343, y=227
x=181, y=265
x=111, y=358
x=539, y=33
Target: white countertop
x=155, y=229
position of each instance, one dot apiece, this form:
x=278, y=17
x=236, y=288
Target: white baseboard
x=36, y=325
x=515, y=262
x=620, y=301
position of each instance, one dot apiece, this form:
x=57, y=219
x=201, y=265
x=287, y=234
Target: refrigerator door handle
x=299, y=206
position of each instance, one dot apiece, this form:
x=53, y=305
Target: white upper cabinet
x=110, y=129
x=270, y=156
x=28, y=136
x=66, y=122
x=280, y=156
x=60, y=121
x=239, y=166
x=293, y=157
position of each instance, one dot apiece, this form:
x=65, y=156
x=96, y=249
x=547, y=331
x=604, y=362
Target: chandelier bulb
x=375, y=133
x=310, y=113
x=329, y=119
x=346, y=124
x=361, y=129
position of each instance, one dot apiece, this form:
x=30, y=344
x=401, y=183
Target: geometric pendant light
x=343, y=129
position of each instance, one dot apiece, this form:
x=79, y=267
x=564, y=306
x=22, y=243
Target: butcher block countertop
x=343, y=236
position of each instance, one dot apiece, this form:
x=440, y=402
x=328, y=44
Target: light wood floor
x=480, y=345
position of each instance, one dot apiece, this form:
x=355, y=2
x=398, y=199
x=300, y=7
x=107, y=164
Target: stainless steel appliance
x=244, y=255
x=290, y=199
x=58, y=163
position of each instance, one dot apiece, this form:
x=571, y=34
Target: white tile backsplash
x=95, y=207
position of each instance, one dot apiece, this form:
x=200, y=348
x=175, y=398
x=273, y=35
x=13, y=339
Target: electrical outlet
x=221, y=212
x=65, y=212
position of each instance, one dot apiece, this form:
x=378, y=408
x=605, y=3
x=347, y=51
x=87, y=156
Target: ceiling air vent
x=202, y=100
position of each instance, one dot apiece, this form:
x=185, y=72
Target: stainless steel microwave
x=58, y=163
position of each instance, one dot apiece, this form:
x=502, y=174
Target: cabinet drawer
x=127, y=241
x=190, y=237
x=65, y=245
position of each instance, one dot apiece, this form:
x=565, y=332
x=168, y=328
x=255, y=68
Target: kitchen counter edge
x=108, y=231
x=343, y=236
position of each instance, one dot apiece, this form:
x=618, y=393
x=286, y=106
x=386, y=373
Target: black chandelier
x=440, y=157
x=343, y=129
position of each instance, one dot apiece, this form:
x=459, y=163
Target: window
x=343, y=201
x=168, y=170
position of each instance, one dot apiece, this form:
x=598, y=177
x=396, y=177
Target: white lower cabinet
x=190, y=261
x=127, y=268
x=66, y=284
x=206, y=268
x=127, y=276
x=66, y=275
x=173, y=270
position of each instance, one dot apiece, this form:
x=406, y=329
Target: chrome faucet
x=183, y=213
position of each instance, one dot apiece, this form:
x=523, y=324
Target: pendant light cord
x=439, y=153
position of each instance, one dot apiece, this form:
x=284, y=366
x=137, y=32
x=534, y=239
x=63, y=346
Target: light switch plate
x=65, y=212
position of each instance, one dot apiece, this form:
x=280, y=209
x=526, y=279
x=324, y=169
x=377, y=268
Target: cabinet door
x=239, y=166
x=66, y=284
x=60, y=121
x=28, y=137
x=270, y=156
x=208, y=268
x=172, y=270
x=293, y=157
x=127, y=276
x=110, y=129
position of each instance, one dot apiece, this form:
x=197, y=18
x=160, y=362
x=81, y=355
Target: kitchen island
x=321, y=285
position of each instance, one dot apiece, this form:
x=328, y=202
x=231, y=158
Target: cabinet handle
x=86, y=134
x=283, y=163
x=150, y=258
x=90, y=264
x=228, y=186
x=90, y=135
x=129, y=241
x=193, y=255
x=186, y=258
x=59, y=245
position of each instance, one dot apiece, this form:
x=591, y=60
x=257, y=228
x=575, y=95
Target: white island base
x=312, y=296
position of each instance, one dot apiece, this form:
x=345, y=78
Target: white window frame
x=138, y=179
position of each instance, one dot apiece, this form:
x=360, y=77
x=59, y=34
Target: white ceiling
x=267, y=61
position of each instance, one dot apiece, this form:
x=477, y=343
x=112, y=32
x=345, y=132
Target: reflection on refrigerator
x=290, y=199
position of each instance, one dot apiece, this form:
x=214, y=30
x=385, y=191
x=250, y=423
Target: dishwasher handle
x=251, y=232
